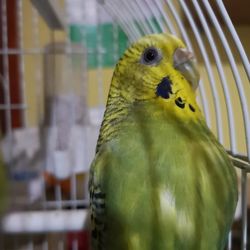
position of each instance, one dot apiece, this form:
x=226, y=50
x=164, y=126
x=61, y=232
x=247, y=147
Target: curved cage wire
x=62, y=61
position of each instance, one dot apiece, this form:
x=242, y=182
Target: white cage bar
x=135, y=18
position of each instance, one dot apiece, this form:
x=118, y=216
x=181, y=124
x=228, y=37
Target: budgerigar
x=160, y=180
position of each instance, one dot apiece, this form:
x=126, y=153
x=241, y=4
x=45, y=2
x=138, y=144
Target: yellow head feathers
x=152, y=60
x=156, y=70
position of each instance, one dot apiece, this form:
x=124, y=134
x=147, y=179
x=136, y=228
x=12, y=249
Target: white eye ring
x=151, y=56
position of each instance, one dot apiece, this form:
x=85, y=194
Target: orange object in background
x=65, y=185
x=52, y=181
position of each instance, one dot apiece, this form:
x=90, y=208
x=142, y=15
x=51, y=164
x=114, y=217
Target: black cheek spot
x=191, y=108
x=164, y=88
x=179, y=100
x=179, y=103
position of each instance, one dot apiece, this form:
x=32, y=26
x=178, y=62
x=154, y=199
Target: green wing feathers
x=180, y=196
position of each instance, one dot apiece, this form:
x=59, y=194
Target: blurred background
x=56, y=63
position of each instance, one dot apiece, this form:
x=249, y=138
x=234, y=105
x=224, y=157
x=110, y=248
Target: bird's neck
x=120, y=111
x=116, y=111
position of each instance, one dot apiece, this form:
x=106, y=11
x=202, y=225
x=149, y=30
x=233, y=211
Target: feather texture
x=160, y=180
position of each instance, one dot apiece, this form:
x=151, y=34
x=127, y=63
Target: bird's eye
x=151, y=56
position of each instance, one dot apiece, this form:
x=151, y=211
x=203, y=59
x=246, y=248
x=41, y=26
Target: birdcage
x=57, y=59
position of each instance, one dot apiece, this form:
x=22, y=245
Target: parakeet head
x=157, y=75
x=157, y=67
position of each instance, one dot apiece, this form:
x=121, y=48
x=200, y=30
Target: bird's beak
x=184, y=61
